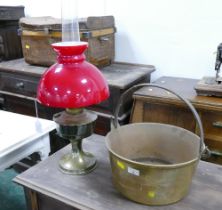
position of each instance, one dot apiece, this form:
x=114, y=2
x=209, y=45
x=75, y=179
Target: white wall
x=179, y=37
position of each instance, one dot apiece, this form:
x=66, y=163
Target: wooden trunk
x=10, y=42
x=37, y=35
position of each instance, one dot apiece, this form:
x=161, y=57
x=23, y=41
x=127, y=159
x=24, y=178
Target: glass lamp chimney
x=70, y=24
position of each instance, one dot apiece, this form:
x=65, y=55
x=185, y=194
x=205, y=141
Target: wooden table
x=48, y=188
x=21, y=136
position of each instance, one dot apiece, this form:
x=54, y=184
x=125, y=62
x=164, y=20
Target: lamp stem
x=76, y=146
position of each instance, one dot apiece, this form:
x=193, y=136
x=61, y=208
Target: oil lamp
x=73, y=83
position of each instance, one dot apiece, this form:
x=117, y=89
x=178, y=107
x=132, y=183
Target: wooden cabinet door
x=163, y=113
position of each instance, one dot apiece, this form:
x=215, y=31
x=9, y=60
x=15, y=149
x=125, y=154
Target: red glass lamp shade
x=72, y=82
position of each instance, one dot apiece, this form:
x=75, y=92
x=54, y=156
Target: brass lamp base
x=77, y=164
x=75, y=125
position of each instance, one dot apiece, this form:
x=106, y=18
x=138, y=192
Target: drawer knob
x=215, y=153
x=217, y=124
x=19, y=85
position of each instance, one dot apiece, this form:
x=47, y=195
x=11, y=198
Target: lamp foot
x=77, y=164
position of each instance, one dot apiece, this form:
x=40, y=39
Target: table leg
x=45, y=150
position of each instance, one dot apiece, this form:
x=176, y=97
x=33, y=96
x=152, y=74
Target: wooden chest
x=38, y=33
x=156, y=105
x=10, y=42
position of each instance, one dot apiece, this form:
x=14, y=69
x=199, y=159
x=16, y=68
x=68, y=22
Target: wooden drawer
x=19, y=84
x=163, y=113
x=172, y=115
x=212, y=124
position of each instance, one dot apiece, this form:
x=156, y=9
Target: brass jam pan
x=153, y=163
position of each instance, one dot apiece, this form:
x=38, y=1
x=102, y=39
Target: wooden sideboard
x=19, y=81
x=157, y=105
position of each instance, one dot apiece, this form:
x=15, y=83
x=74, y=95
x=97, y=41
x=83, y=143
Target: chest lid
x=50, y=23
